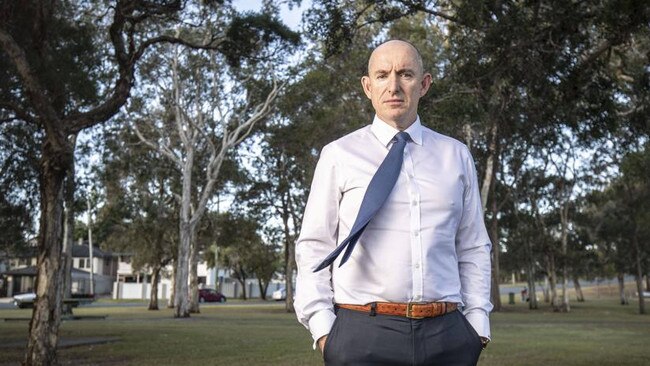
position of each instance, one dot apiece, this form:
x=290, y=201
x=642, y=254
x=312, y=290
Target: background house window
x=82, y=263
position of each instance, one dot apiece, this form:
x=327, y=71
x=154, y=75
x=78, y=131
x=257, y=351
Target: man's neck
x=399, y=125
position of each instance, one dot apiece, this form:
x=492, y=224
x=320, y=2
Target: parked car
x=25, y=300
x=210, y=295
x=280, y=294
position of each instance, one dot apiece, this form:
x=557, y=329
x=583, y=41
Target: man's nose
x=393, y=83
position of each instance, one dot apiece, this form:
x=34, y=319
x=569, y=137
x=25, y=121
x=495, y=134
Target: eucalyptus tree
x=195, y=107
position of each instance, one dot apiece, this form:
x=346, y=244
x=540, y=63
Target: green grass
x=597, y=332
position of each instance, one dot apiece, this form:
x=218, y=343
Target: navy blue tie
x=379, y=188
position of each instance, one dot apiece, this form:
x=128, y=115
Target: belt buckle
x=409, y=311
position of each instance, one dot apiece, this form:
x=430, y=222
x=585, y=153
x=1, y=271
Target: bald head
x=395, y=83
x=397, y=45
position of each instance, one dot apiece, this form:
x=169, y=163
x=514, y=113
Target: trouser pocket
x=331, y=338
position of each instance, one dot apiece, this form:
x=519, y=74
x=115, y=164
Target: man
x=404, y=215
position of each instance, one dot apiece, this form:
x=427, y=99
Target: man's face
x=395, y=83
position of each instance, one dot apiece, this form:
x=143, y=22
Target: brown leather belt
x=413, y=310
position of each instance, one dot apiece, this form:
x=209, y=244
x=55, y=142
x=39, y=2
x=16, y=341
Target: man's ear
x=426, y=84
x=365, y=84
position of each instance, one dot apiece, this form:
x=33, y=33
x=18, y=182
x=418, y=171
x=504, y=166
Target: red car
x=210, y=295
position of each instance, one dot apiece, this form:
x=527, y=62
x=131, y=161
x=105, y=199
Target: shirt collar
x=385, y=132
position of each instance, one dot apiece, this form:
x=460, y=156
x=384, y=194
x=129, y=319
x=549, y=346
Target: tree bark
x=289, y=256
x=242, y=281
x=576, y=284
x=532, y=293
x=621, y=288
x=194, y=278
x=495, y=293
x=530, y=269
x=639, y=270
x=68, y=232
x=565, y=307
x=264, y=286
x=181, y=300
x=46, y=316
x=153, y=294
x=552, y=280
x=171, y=301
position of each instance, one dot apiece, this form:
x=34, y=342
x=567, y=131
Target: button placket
x=415, y=227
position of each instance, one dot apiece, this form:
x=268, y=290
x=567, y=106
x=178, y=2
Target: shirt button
x=416, y=233
x=414, y=202
x=417, y=265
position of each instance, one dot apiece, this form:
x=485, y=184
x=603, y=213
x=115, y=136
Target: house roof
x=32, y=271
x=78, y=251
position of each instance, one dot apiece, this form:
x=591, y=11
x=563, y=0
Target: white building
x=20, y=273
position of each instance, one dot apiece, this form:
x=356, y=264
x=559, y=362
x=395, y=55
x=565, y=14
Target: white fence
x=141, y=291
x=231, y=289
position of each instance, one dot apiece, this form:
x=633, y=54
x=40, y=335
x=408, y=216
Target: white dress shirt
x=427, y=243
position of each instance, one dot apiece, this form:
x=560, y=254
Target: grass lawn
x=597, y=332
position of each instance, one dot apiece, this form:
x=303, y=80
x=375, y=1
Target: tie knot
x=402, y=137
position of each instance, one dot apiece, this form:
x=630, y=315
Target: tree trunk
x=565, y=307
x=639, y=271
x=153, y=295
x=490, y=165
x=530, y=274
x=552, y=280
x=194, y=278
x=532, y=293
x=243, y=288
x=647, y=281
x=181, y=301
x=68, y=232
x=46, y=316
x=289, y=256
x=172, y=296
x=579, y=295
x=621, y=288
x=263, y=287
x=495, y=293
x=547, y=296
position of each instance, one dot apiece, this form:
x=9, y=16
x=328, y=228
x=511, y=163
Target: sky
x=290, y=17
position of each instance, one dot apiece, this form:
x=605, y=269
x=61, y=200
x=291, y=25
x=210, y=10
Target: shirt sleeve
x=473, y=249
x=318, y=235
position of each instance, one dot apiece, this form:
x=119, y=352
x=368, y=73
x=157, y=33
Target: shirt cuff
x=320, y=324
x=480, y=322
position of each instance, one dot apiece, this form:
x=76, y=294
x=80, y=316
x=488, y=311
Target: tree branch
x=20, y=114
x=35, y=90
x=165, y=150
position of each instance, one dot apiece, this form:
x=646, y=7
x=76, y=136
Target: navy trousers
x=358, y=338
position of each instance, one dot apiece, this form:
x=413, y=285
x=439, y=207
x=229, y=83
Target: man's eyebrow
x=399, y=71
x=406, y=69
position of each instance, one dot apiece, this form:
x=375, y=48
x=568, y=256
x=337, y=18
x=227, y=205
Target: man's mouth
x=393, y=101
